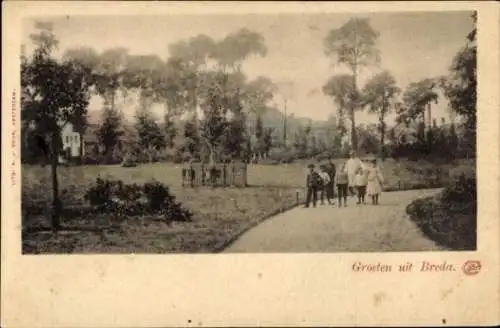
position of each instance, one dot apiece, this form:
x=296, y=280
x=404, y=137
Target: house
x=76, y=146
x=72, y=143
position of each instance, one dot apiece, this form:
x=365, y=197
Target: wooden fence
x=218, y=175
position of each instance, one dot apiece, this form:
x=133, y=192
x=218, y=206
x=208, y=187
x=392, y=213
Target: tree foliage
x=53, y=94
x=417, y=96
x=342, y=89
x=353, y=45
x=110, y=131
x=461, y=85
x=236, y=47
x=208, y=99
x=379, y=96
x=151, y=138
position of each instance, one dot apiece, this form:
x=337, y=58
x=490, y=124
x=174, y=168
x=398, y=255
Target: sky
x=413, y=46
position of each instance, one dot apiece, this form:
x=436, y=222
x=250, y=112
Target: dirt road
x=356, y=228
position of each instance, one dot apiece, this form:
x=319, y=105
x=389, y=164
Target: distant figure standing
x=330, y=188
x=313, y=183
x=342, y=182
x=375, y=181
x=353, y=164
x=325, y=177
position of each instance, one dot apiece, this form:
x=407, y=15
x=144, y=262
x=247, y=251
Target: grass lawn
x=220, y=214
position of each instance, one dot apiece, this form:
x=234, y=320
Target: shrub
x=323, y=156
x=160, y=200
x=128, y=193
x=157, y=195
x=133, y=199
x=128, y=162
x=100, y=194
x=186, y=157
x=282, y=156
x=451, y=217
x=267, y=161
x=90, y=160
x=461, y=196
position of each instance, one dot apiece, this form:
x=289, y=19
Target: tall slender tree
x=110, y=130
x=267, y=141
x=191, y=57
x=151, y=138
x=236, y=133
x=259, y=135
x=379, y=96
x=170, y=130
x=342, y=89
x=353, y=45
x=54, y=93
x=215, y=110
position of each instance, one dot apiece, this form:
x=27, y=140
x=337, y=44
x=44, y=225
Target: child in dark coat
x=325, y=177
x=313, y=184
x=330, y=194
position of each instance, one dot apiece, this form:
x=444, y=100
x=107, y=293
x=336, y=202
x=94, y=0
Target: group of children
x=365, y=181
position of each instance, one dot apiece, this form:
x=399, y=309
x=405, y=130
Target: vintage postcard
x=250, y=164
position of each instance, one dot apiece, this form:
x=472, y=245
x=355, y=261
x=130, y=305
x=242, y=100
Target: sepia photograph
x=258, y=133
x=250, y=163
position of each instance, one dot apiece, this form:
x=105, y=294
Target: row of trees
x=202, y=81
x=354, y=46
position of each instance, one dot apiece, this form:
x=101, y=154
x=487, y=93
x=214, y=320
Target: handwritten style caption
x=468, y=268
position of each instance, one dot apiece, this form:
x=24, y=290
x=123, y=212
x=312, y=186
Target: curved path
x=356, y=228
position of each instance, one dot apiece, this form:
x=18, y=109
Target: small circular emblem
x=471, y=268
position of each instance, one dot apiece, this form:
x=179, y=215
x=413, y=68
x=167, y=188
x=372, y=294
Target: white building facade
x=71, y=141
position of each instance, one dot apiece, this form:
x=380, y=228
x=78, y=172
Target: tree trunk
x=382, y=138
x=81, y=146
x=382, y=128
x=56, y=203
x=429, y=117
x=354, y=136
x=211, y=153
x=113, y=100
x=195, y=105
x=425, y=125
x=284, y=127
x=150, y=155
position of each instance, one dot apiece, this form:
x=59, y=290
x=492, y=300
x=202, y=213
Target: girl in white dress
x=353, y=164
x=375, y=181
